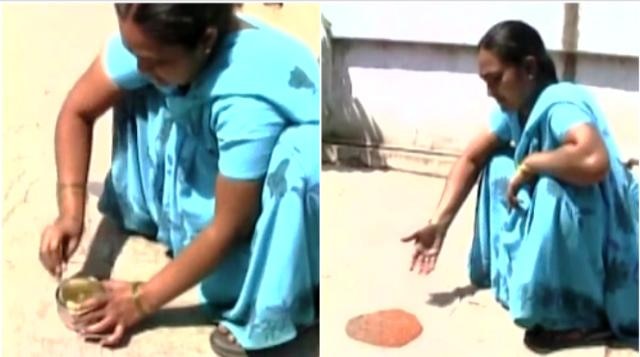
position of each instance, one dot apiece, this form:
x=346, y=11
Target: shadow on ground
x=442, y=299
x=102, y=254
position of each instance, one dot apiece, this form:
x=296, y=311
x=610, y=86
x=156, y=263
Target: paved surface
x=45, y=48
x=365, y=268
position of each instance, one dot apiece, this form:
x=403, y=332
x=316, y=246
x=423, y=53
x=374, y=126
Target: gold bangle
x=525, y=169
x=137, y=300
x=64, y=189
x=71, y=186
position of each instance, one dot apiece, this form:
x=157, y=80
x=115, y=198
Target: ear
x=209, y=39
x=530, y=67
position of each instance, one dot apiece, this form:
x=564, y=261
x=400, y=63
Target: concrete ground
x=45, y=48
x=365, y=268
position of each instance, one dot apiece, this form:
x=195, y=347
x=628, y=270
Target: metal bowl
x=72, y=292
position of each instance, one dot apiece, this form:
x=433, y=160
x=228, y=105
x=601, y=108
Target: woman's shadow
x=102, y=253
x=443, y=299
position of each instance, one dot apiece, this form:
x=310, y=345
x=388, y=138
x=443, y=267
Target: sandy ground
x=45, y=48
x=365, y=268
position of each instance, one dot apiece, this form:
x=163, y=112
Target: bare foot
x=225, y=331
x=224, y=344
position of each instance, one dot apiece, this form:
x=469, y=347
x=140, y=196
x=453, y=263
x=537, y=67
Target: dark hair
x=511, y=41
x=178, y=24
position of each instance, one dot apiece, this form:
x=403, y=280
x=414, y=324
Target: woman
x=556, y=229
x=213, y=113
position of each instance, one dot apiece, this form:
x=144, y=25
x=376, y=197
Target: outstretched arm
x=463, y=176
x=429, y=239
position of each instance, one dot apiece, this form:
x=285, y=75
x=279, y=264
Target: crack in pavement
x=13, y=183
x=25, y=197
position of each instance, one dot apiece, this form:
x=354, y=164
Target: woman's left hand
x=522, y=175
x=111, y=314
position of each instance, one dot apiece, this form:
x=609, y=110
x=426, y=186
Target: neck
x=530, y=101
x=236, y=24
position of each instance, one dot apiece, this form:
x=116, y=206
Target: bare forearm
x=191, y=266
x=236, y=212
x=461, y=179
x=568, y=164
x=73, y=151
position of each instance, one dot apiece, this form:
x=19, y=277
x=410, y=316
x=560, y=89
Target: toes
x=225, y=331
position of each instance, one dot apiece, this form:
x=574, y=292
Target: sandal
x=542, y=341
x=223, y=347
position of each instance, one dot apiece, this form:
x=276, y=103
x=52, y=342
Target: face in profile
x=165, y=64
x=509, y=84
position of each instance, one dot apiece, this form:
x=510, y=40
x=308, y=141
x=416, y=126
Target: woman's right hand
x=58, y=243
x=428, y=243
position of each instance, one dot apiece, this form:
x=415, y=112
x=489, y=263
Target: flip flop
x=543, y=341
x=223, y=347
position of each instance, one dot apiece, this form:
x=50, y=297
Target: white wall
x=605, y=27
x=609, y=27
x=403, y=77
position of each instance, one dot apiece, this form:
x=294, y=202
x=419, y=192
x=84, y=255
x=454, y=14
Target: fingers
x=108, y=285
x=93, y=304
x=409, y=238
x=86, y=319
x=511, y=196
x=416, y=253
x=70, y=248
x=424, y=264
x=424, y=261
x=56, y=247
x=415, y=258
x=513, y=202
x=44, y=257
x=50, y=254
x=430, y=263
x=101, y=326
x=115, y=337
x=431, y=255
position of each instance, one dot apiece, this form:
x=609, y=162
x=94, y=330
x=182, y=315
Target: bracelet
x=66, y=191
x=136, y=298
x=525, y=169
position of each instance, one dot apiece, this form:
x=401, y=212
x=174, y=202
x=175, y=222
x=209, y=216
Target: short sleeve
x=564, y=117
x=499, y=125
x=247, y=130
x=120, y=65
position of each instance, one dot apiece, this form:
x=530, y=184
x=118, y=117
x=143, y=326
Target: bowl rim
x=63, y=282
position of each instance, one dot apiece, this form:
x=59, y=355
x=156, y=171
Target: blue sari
x=568, y=257
x=252, y=114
